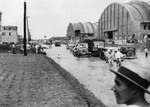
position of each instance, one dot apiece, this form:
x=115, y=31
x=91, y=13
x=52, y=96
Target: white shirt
x=13, y=45
x=146, y=50
x=36, y=46
x=118, y=54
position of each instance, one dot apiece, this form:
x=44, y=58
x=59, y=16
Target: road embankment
x=88, y=96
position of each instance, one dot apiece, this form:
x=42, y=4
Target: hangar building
x=81, y=30
x=125, y=21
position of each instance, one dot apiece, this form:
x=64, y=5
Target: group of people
x=112, y=56
x=36, y=48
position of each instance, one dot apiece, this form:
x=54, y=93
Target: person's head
x=110, y=51
x=130, y=84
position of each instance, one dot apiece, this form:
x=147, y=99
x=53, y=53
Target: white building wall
x=9, y=34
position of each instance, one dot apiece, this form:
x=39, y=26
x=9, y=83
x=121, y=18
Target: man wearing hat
x=131, y=83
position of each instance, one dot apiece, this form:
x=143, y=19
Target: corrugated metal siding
x=95, y=26
x=81, y=27
x=86, y=30
x=75, y=26
x=90, y=28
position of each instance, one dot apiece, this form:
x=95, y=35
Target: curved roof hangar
x=84, y=28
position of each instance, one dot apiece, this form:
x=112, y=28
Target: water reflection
x=69, y=62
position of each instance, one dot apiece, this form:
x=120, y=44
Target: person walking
x=36, y=49
x=110, y=58
x=58, y=56
x=118, y=55
x=146, y=52
x=106, y=53
x=131, y=83
x=13, y=48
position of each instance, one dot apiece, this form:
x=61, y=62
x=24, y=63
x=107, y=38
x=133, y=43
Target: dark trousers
x=146, y=54
x=13, y=50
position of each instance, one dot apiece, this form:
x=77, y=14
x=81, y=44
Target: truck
x=96, y=47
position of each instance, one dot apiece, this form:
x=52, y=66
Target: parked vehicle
x=96, y=47
x=57, y=43
x=129, y=51
x=80, y=49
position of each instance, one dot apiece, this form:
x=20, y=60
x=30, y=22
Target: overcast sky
x=52, y=17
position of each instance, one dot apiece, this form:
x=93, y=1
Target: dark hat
x=137, y=74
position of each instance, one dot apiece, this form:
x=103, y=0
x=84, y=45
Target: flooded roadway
x=93, y=73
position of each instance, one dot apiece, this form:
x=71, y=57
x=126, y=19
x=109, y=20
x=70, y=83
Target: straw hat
x=135, y=72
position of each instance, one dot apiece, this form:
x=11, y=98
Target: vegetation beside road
x=88, y=96
x=31, y=81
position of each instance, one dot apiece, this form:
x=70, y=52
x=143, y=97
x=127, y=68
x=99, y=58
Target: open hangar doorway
x=109, y=35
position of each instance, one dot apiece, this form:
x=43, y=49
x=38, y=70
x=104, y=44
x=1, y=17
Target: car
x=57, y=43
x=129, y=51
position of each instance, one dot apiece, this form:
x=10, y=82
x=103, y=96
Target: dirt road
x=30, y=81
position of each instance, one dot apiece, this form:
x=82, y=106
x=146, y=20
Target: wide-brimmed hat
x=139, y=74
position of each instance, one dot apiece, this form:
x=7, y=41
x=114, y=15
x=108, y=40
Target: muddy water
x=93, y=73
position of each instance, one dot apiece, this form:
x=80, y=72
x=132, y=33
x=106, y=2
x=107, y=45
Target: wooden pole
x=25, y=50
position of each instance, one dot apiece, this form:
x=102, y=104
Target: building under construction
x=125, y=21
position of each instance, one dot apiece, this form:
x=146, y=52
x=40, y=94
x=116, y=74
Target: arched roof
x=145, y=3
x=90, y=28
x=95, y=25
x=137, y=10
x=83, y=27
x=91, y=25
x=75, y=26
x=86, y=30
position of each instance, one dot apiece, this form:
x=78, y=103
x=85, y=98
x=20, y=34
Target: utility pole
x=24, y=41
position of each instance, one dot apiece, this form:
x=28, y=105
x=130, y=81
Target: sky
x=51, y=18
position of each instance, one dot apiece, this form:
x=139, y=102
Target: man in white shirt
x=146, y=52
x=36, y=47
x=118, y=56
